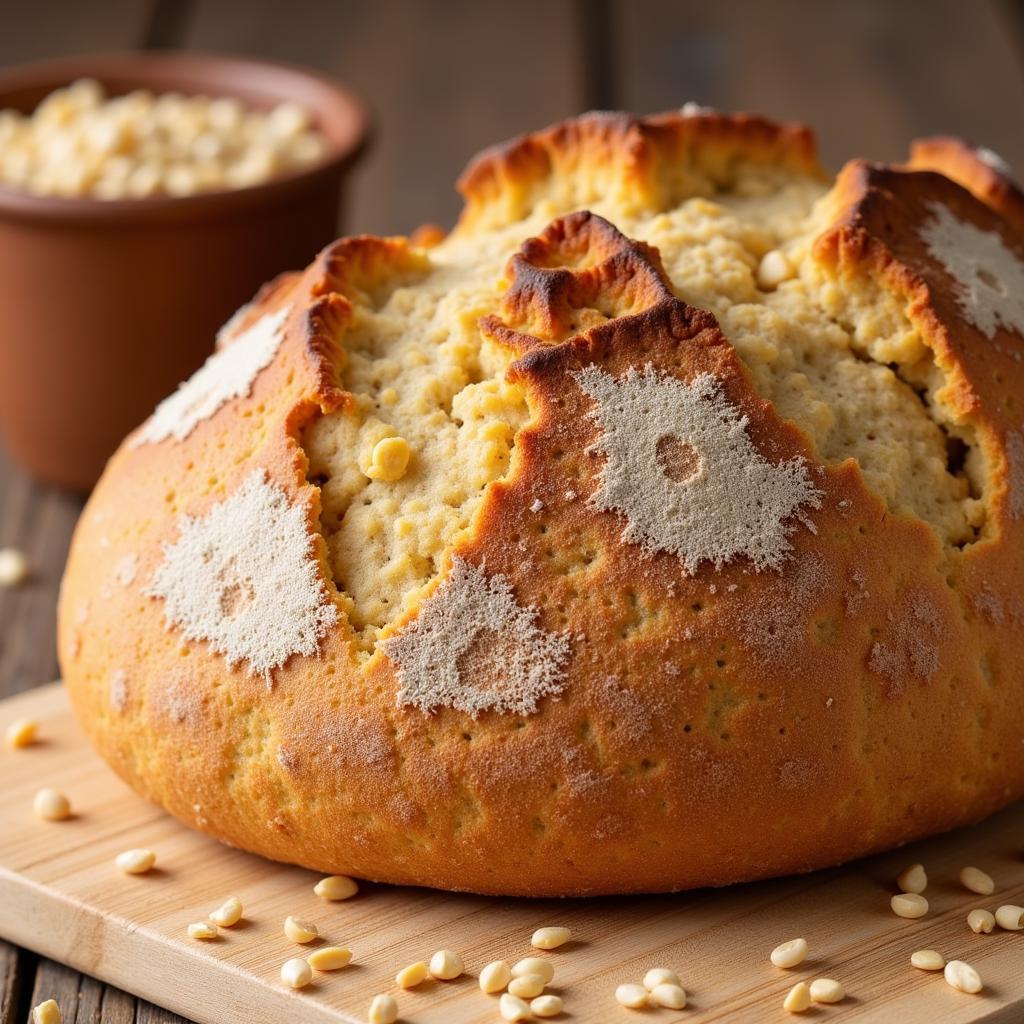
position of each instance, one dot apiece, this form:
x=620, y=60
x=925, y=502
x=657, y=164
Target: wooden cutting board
x=61, y=895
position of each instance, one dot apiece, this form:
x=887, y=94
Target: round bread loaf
x=661, y=526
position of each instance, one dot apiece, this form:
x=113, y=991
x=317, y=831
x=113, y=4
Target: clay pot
x=105, y=306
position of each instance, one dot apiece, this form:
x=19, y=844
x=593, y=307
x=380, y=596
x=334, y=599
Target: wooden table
x=443, y=80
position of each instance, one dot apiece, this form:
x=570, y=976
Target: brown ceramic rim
x=255, y=82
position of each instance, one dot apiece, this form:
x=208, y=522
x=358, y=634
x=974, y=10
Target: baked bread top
x=661, y=526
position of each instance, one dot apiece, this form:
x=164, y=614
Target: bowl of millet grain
x=143, y=198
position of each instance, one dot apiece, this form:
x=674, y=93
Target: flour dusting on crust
x=228, y=374
x=230, y=327
x=243, y=577
x=989, y=273
x=473, y=647
x=126, y=569
x=911, y=646
x=683, y=471
x=119, y=690
x=993, y=160
x=778, y=628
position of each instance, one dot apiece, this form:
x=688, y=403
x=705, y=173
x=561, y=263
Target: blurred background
x=445, y=79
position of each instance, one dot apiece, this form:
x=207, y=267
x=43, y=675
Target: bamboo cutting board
x=61, y=895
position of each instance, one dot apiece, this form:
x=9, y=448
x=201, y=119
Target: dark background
x=444, y=79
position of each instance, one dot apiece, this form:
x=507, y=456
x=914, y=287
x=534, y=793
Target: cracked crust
x=978, y=170
x=640, y=161
x=866, y=694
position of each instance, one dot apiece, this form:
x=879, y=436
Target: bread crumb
x=683, y=471
x=474, y=648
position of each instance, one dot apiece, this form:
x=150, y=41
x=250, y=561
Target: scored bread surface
x=695, y=554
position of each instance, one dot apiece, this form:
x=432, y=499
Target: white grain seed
x=963, y=977
x=446, y=965
x=203, y=931
x=798, y=999
x=660, y=976
x=632, y=996
x=773, y=269
x=383, y=1010
x=547, y=1006
x=673, y=997
x=928, y=960
x=550, y=938
x=534, y=965
x=981, y=922
x=47, y=1013
x=495, y=976
x=228, y=913
x=909, y=904
x=913, y=879
x=336, y=887
x=329, y=958
x=135, y=862
x=300, y=931
x=21, y=733
x=296, y=973
x=789, y=954
x=1010, y=917
x=526, y=986
x=13, y=567
x=413, y=975
x=977, y=881
x=513, y=1008
x=827, y=990
x=51, y=805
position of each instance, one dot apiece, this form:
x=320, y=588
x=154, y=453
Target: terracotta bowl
x=106, y=305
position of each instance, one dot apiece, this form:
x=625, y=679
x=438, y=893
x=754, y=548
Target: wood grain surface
x=443, y=79
x=63, y=896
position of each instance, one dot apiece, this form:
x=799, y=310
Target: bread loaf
x=661, y=526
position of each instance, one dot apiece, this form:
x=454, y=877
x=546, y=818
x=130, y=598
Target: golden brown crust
x=712, y=726
x=979, y=171
x=637, y=156
x=877, y=232
x=578, y=263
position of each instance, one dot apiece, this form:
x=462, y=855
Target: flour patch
x=992, y=159
x=229, y=329
x=911, y=646
x=119, y=690
x=777, y=628
x=682, y=469
x=126, y=570
x=473, y=647
x=989, y=604
x=244, y=578
x=228, y=374
x=988, y=273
